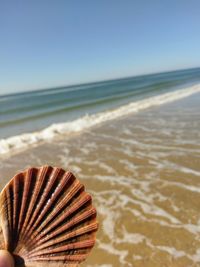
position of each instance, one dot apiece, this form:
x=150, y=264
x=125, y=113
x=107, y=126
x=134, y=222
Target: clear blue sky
x=48, y=43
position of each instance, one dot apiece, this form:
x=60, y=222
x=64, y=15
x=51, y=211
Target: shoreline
x=19, y=143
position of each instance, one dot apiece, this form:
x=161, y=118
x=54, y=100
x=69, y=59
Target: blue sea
x=74, y=108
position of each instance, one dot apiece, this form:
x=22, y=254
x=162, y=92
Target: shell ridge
x=33, y=241
x=65, y=258
x=77, y=232
x=4, y=218
x=84, y=199
x=40, y=182
x=75, y=245
x=56, y=193
x=25, y=200
x=42, y=172
x=18, y=187
x=73, y=222
x=59, y=207
x=52, y=179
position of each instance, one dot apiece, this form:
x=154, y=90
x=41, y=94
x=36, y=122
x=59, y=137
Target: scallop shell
x=47, y=218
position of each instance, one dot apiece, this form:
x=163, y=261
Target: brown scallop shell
x=47, y=218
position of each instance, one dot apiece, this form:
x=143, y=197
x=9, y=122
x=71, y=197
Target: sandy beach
x=143, y=173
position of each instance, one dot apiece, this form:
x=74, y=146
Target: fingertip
x=6, y=259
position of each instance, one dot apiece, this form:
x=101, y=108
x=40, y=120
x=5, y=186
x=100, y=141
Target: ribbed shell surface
x=47, y=218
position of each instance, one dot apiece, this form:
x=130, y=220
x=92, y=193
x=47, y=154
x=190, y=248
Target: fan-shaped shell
x=47, y=218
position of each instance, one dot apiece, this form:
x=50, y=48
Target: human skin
x=6, y=259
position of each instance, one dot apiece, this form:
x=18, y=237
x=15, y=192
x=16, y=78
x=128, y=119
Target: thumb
x=6, y=259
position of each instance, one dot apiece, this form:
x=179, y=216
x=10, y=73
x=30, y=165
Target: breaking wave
x=23, y=141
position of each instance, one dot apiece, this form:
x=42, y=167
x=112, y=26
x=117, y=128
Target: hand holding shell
x=47, y=218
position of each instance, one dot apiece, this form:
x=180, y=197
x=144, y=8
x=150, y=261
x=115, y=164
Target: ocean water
x=143, y=172
x=30, y=118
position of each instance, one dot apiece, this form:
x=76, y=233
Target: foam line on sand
x=23, y=141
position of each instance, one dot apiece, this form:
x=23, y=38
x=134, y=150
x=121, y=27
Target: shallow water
x=143, y=172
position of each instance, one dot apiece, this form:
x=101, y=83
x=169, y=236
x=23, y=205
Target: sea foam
x=23, y=141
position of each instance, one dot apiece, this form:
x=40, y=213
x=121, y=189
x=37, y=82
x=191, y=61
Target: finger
x=6, y=259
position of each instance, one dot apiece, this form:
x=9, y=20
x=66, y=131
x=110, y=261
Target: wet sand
x=143, y=172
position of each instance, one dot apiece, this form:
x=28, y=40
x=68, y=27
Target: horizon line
x=92, y=82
